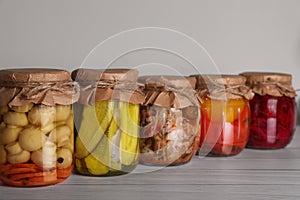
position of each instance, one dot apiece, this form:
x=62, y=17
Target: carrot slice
x=29, y=175
x=65, y=172
x=20, y=165
x=7, y=181
x=25, y=165
x=43, y=179
x=19, y=171
x=4, y=168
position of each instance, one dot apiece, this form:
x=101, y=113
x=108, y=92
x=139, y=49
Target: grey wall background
x=240, y=35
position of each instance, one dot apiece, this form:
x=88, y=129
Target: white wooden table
x=253, y=174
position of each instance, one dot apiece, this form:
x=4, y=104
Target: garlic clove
x=13, y=148
x=62, y=112
x=9, y=135
x=22, y=157
x=22, y=109
x=41, y=115
x=32, y=139
x=15, y=119
x=64, y=158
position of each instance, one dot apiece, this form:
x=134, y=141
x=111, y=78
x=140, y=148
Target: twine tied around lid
x=104, y=90
x=222, y=92
x=182, y=96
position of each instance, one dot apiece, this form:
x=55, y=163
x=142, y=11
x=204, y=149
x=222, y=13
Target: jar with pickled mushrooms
x=273, y=110
x=225, y=112
x=169, y=120
x=36, y=126
x=107, y=121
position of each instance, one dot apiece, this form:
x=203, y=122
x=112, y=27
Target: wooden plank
x=253, y=174
x=161, y=192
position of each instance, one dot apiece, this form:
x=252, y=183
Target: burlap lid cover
x=169, y=91
x=222, y=87
x=37, y=85
x=100, y=85
x=274, y=84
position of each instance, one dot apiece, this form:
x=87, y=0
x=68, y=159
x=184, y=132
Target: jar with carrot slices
x=36, y=126
x=107, y=120
x=273, y=108
x=169, y=120
x=225, y=112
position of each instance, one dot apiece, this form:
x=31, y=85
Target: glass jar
x=107, y=120
x=273, y=110
x=169, y=120
x=225, y=113
x=36, y=120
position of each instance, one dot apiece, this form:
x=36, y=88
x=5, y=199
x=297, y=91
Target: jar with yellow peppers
x=273, y=110
x=107, y=120
x=225, y=112
x=169, y=120
x=36, y=126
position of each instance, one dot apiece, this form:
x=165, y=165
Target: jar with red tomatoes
x=225, y=112
x=273, y=108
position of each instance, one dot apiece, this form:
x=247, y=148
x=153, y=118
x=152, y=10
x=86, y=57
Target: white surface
x=253, y=174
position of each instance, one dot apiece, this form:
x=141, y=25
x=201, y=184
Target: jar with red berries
x=273, y=108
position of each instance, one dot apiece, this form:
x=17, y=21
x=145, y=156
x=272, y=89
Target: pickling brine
x=169, y=121
x=36, y=129
x=273, y=110
x=107, y=142
x=169, y=135
x=273, y=121
x=224, y=126
x=107, y=119
x=225, y=113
